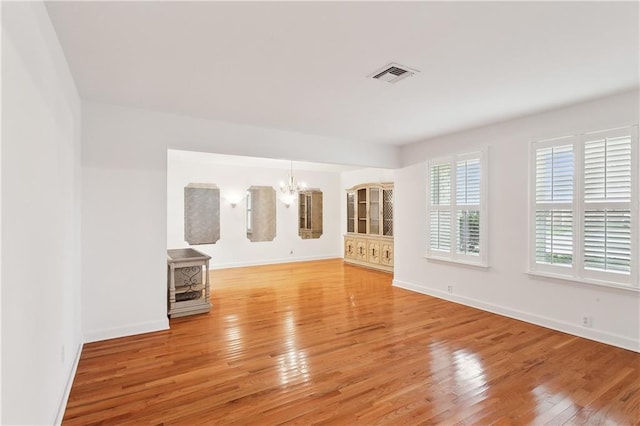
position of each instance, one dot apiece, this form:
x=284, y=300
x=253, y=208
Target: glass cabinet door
x=351, y=211
x=387, y=212
x=374, y=211
x=362, y=211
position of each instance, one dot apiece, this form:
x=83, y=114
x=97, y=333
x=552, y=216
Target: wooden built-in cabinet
x=369, y=238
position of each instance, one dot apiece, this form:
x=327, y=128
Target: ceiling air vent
x=393, y=73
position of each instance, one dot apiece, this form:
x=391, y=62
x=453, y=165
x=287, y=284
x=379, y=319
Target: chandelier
x=290, y=189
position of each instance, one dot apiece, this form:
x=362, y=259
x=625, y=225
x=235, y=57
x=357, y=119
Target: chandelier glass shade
x=290, y=188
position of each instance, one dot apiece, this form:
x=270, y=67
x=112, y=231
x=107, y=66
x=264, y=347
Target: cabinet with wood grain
x=369, y=238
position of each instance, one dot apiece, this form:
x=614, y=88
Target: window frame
x=533, y=207
x=577, y=271
x=482, y=258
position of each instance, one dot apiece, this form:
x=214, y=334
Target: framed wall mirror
x=261, y=213
x=310, y=214
x=201, y=213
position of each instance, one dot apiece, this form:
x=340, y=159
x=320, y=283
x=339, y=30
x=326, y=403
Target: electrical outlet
x=450, y=288
x=587, y=321
x=290, y=251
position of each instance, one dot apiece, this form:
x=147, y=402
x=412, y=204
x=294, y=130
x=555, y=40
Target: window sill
x=483, y=265
x=585, y=281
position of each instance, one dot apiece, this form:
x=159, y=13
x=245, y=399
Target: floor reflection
x=233, y=334
x=292, y=365
x=549, y=404
x=468, y=370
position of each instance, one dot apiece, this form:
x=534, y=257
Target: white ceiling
x=302, y=66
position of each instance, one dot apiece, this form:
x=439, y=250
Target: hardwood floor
x=324, y=343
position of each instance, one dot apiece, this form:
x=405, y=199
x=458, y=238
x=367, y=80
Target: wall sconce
x=234, y=199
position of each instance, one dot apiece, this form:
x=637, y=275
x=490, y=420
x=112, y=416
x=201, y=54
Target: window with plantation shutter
x=585, y=207
x=607, y=202
x=468, y=206
x=440, y=214
x=554, y=170
x=456, y=211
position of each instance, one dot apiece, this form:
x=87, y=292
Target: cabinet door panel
x=374, y=211
x=351, y=211
x=349, y=248
x=387, y=212
x=373, y=252
x=386, y=254
x=361, y=250
x=362, y=211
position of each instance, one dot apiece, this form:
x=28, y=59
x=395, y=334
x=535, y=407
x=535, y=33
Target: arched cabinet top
x=383, y=185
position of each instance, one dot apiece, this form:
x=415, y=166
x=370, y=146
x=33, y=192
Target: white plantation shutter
x=585, y=207
x=440, y=230
x=554, y=236
x=440, y=202
x=455, y=209
x=554, y=174
x=468, y=232
x=441, y=185
x=607, y=203
x=468, y=182
x=607, y=170
x=607, y=240
x=554, y=170
x=468, y=206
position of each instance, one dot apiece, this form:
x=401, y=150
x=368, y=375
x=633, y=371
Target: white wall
x=41, y=335
x=124, y=215
x=366, y=175
x=233, y=248
x=504, y=287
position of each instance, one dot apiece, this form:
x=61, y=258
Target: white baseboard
x=273, y=261
x=67, y=390
x=554, y=324
x=129, y=330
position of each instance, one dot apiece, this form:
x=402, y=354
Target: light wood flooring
x=326, y=343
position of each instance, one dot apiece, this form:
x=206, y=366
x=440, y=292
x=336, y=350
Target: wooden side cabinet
x=369, y=238
x=187, y=282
